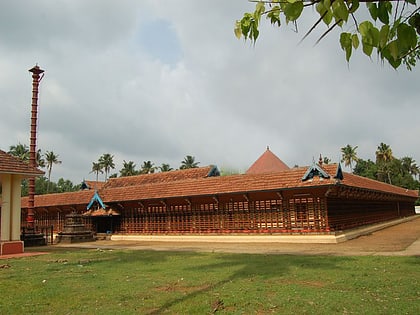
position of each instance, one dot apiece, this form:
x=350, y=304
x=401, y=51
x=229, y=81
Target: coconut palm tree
x=97, y=168
x=148, y=167
x=189, y=162
x=107, y=163
x=21, y=151
x=165, y=167
x=51, y=159
x=383, y=159
x=349, y=156
x=39, y=160
x=129, y=169
x=409, y=166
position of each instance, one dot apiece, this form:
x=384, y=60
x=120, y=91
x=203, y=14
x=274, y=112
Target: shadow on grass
x=247, y=266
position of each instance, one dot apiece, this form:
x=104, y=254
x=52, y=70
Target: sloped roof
x=77, y=198
x=210, y=186
x=10, y=164
x=163, y=177
x=268, y=162
x=247, y=183
x=94, y=184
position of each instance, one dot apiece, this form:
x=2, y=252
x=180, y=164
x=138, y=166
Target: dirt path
x=401, y=239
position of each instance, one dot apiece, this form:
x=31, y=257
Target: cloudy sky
x=159, y=80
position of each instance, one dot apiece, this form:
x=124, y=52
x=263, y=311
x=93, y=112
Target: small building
x=12, y=171
x=318, y=199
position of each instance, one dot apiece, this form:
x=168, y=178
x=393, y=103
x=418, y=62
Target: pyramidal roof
x=268, y=162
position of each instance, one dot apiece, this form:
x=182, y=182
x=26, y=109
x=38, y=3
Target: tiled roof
x=10, y=164
x=246, y=183
x=210, y=186
x=163, y=177
x=94, y=184
x=268, y=162
x=81, y=197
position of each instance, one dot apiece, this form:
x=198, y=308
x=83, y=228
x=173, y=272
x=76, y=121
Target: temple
x=270, y=198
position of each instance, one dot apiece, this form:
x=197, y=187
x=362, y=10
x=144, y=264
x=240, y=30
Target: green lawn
x=147, y=282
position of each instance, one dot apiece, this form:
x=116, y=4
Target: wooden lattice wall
x=306, y=214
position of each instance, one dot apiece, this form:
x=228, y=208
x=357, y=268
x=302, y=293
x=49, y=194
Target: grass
x=147, y=282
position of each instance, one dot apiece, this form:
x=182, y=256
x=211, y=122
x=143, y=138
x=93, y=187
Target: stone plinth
x=11, y=247
x=74, y=230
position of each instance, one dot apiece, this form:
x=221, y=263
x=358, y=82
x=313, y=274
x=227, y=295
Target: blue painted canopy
x=96, y=198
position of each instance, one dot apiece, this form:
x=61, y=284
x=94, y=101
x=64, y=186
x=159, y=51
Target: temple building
x=270, y=198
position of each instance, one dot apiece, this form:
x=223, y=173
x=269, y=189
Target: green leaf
x=414, y=21
x=407, y=38
x=390, y=53
x=395, y=63
x=246, y=24
x=259, y=10
x=384, y=9
x=383, y=35
x=370, y=37
x=238, y=30
x=355, y=41
x=292, y=11
x=354, y=5
x=393, y=49
x=274, y=15
x=324, y=11
x=254, y=31
x=373, y=10
x=340, y=10
x=346, y=44
x=364, y=27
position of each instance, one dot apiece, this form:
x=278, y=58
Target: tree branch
x=327, y=31
x=409, y=52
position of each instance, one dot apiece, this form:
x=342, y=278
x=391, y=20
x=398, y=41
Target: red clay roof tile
x=163, y=177
x=268, y=162
x=176, y=185
x=10, y=164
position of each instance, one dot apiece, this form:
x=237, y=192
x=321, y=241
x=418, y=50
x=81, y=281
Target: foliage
x=392, y=30
x=148, y=167
x=106, y=162
x=189, y=162
x=129, y=169
x=384, y=158
x=165, y=167
x=97, y=168
x=349, y=155
x=229, y=171
x=326, y=160
x=44, y=186
x=387, y=168
x=67, y=281
x=22, y=152
x=51, y=158
x=365, y=168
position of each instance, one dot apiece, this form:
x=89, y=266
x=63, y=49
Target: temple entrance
x=103, y=224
